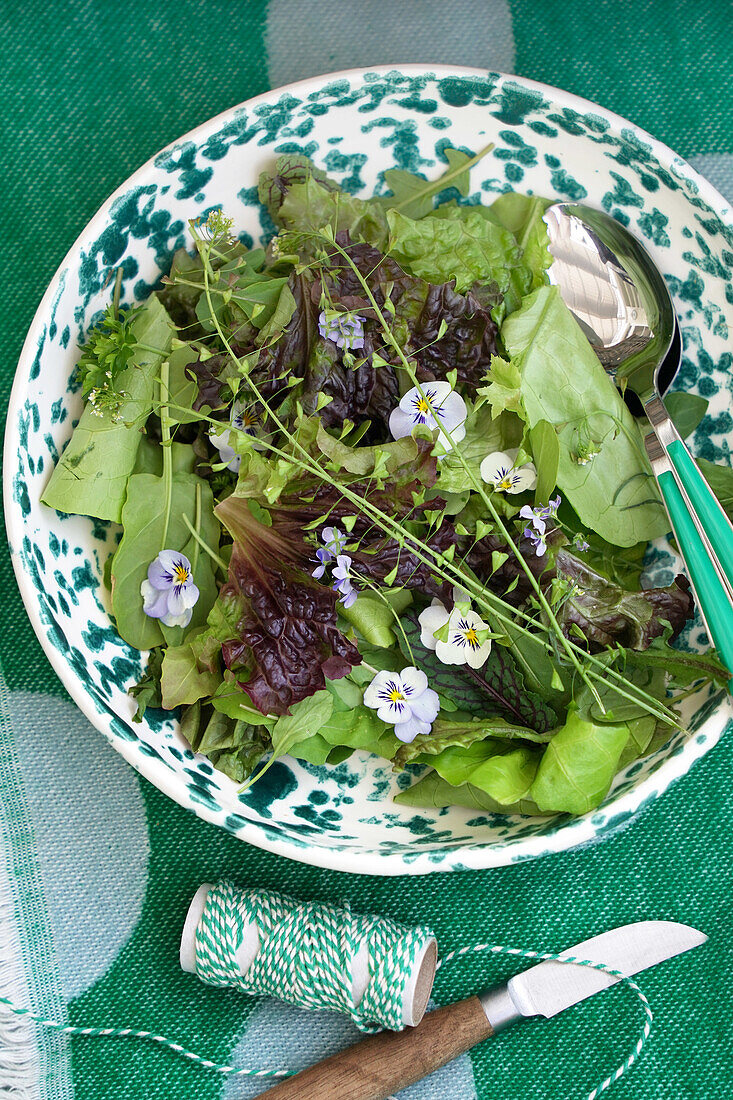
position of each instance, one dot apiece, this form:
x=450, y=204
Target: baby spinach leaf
x=90, y=478
x=463, y=731
x=146, y=513
x=686, y=410
x=602, y=469
x=434, y=792
x=576, y=771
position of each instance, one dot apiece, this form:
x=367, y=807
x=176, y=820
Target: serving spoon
x=619, y=298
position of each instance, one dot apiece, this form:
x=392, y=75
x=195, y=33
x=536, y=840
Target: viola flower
x=344, y=329
x=464, y=644
x=434, y=404
x=242, y=418
x=342, y=583
x=580, y=543
x=335, y=541
x=169, y=593
x=537, y=538
x=498, y=469
x=404, y=700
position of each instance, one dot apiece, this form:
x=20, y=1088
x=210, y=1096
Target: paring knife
x=392, y=1060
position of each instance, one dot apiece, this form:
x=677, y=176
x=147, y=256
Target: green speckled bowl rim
x=574, y=832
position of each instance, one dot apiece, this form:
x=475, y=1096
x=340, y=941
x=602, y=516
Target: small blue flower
x=342, y=580
x=169, y=593
x=537, y=538
x=580, y=543
x=345, y=330
x=335, y=541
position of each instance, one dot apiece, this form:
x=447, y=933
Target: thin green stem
x=165, y=439
x=204, y=545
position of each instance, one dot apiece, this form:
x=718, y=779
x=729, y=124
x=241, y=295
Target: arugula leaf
x=182, y=682
x=495, y=690
x=90, y=478
x=434, y=792
x=579, y=764
x=413, y=196
x=307, y=717
x=562, y=382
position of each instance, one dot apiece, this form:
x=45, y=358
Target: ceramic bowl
x=355, y=125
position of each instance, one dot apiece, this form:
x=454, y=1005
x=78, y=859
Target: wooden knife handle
x=392, y=1060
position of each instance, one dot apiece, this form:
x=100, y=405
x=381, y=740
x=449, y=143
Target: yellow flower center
x=422, y=405
x=180, y=573
x=395, y=696
x=472, y=638
x=505, y=483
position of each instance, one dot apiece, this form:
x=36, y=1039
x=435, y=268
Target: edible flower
x=335, y=541
x=243, y=419
x=342, y=583
x=344, y=329
x=580, y=543
x=538, y=518
x=169, y=593
x=498, y=469
x=434, y=404
x=466, y=640
x=404, y=700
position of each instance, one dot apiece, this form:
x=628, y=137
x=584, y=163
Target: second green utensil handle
x=713, y=598
x=712, y=517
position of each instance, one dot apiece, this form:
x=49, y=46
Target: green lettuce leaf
x=613, y=492
x=469, y=249
x=463, y=731
x=579, y=764
x=434, y=792
x=181, y=681
x=505, y=776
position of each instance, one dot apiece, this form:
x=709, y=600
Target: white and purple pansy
x=344, y=329
x=459, y=636
x=404, y=700
x=499, y=470
x=436, y=405
x=168, y=592
x=335, y=543
x=244, y=419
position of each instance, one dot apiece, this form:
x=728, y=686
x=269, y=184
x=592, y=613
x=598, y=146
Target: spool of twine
x=316, y=956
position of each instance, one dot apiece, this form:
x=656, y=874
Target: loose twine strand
x=326, y=938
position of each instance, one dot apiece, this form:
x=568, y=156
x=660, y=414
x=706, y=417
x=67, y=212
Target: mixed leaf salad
x=376, y=492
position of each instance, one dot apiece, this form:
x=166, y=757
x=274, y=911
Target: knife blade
x=551, y=987
x=386, y=1063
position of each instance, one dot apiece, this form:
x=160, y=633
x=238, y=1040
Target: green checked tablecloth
x=96, y=866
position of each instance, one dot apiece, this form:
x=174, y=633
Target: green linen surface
x=96, y=866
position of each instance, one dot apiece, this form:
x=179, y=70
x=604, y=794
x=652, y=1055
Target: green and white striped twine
x=303, y=946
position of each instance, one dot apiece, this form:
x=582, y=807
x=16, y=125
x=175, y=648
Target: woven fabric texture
x=96, y=866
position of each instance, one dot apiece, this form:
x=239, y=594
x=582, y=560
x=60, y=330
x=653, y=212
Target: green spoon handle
x=713, y=519
x=711, y=592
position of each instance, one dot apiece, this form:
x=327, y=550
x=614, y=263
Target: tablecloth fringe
x=19, y=1063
